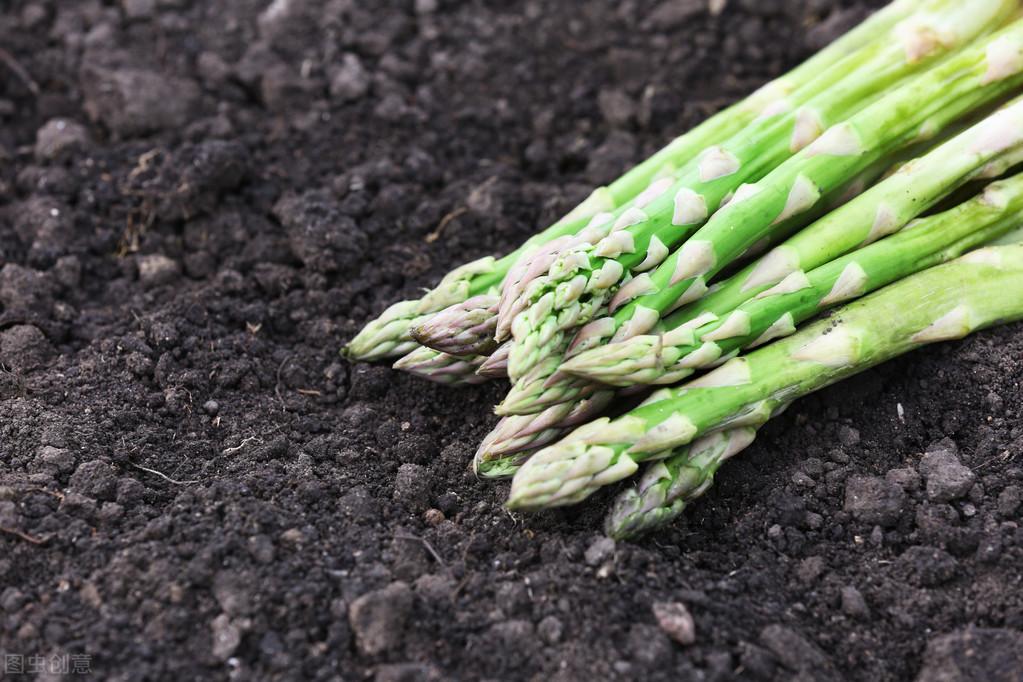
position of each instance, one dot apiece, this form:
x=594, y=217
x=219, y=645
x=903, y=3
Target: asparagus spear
x=514, y=439
x=943, y=303
x=777, y=311
x=496, y=366
x=668, y=486
x=442, y=368
x=465, y=328
x=581, y=281
x=464, y=354
x=389, y=335
x=469, y=328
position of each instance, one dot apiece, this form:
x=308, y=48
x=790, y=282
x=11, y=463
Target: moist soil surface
x=201, y=201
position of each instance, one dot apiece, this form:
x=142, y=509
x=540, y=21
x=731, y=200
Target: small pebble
x=848, y=436
x=947, y=478
x=157, y=270
x=433, y=517
x=378, y=618
x=60, y=138
x=550, y=630
x=853, y=603
x=838, y=456
x=1009, y=500
x=871, y=499
x=803, y=480
x=226, y=636
x=676, y=621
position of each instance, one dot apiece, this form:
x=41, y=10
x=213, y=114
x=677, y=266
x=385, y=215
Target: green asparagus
x=442, y=368
x=943, y=303
x=465, y=328
x=639, y=239
x=545, y=385
x=514, y=439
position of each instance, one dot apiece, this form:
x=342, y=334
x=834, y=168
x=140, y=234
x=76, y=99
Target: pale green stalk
x=465, y=328
x=442, y=368
x=514, y=439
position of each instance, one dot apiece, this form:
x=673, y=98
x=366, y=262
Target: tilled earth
x=200, y=201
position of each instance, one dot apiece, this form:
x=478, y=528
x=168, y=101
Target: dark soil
x=200, y=201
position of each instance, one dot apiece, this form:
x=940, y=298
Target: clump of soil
x=199, y=202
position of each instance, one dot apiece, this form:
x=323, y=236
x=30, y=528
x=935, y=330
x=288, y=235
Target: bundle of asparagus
x=625, y=292
x=944, y=302
x=884, y=208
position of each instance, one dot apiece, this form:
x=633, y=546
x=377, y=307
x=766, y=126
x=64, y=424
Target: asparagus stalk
x=966, y=81
x=496, y=366
x=639, y=239
x=913, y=189
x=454, y=367
x=943, y=303
x=469, y=328
x=775, y=312
x=465, y=328
x=390, y=334
x=442, y=368
x=465, y=331
x=514, y=439
x=667, y=487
